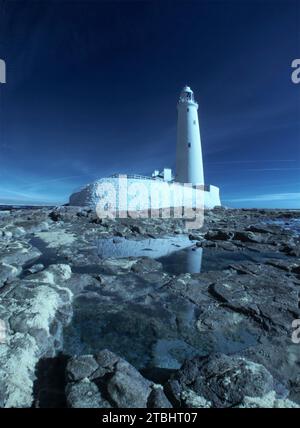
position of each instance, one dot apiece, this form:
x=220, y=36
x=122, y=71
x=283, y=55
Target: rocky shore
x=93, y=313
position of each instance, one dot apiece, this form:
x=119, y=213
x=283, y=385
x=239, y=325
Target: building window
x=189, y=145
x=187, y=109
x=194, y=122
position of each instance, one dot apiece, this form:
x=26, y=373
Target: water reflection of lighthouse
x=175, y=253
x=188, y=260
x=194, y=260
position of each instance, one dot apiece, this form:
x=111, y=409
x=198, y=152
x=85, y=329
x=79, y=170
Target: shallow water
x=292, y=224
x=154, y=330
x=49, y=255
x=177, y=254
x=196, y=260
x=147, y=325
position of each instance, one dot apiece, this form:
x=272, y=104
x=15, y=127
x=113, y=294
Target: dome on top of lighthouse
x=187, y=96
x=186, y=89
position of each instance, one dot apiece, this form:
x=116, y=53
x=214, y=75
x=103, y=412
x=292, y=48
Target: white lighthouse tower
x=189, y=163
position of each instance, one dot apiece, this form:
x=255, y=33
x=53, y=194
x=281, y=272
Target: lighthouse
x=189, y=163
x=159, y=191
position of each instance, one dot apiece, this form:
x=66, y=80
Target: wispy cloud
x=7, y=197
x=255, y=161
x=42, y=183
x=50, y=191
x=272, y=169
x=268, y=197
x=262, y=165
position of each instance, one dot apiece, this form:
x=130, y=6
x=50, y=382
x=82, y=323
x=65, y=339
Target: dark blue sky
x=92, y=88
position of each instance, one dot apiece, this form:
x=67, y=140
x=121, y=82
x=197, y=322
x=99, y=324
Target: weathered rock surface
x=105, y=380
x=241, y=305
x=34, y=312
x=8, y=273
x=222, y=381
x=17, y=253
x=81, y=367
x=85, y=394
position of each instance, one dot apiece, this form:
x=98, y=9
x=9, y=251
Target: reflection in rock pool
x=196, y=260
x=179, y=254
x=143, y=319
x=122, y=247
x=151, y=328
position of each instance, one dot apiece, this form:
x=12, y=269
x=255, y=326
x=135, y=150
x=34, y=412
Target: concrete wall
x=212, y=197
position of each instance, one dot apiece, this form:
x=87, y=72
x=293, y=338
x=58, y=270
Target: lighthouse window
x=189, y=144
x=194, y=122
x=187, y=109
